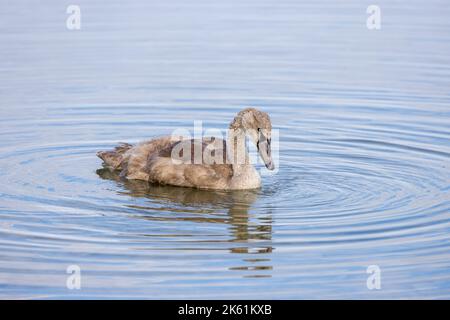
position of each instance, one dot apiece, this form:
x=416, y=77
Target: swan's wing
x=216, y=176
x=162, y=168
x=136, y=159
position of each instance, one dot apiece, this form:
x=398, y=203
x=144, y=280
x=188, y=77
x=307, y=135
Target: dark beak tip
x=270, y=166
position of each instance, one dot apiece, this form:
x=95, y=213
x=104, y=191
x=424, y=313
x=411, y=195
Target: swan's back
x=152, y=161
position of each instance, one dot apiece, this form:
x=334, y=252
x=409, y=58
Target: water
x=364, y=176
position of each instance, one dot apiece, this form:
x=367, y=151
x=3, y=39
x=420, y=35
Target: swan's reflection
x=245, y=233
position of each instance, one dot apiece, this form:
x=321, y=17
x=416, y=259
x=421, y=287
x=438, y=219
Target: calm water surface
x=364, y=155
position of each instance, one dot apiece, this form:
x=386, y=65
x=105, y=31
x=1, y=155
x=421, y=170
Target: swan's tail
x=114, y=158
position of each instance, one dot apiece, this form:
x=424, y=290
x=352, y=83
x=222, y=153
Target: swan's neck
x=245, y=175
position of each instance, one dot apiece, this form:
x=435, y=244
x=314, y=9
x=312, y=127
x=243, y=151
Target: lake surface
x=364, y=156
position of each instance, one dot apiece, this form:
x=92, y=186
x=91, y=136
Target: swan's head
x=258, y=127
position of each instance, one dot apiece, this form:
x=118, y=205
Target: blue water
x=364, y=153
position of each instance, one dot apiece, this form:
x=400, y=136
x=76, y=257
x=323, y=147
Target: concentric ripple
x=336, y=204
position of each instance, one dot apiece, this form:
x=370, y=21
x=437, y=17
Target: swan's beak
x=265, y=151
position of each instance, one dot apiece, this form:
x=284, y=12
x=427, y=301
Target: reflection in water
x=203, y=203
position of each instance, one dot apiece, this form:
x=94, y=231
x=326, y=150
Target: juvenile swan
x=208, y=163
